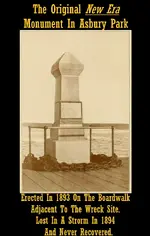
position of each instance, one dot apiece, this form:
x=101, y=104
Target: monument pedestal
x=69, y=151
x=67, y=142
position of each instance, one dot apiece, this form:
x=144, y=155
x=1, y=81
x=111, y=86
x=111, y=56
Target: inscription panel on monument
x=71, y=110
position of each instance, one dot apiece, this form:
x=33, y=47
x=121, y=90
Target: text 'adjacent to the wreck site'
x=75, y=214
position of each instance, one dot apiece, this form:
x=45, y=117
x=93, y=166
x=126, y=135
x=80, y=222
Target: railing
x=90, y=127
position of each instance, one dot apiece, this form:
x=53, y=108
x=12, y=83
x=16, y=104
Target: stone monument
x=68, y=145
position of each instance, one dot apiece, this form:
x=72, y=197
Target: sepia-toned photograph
x=75, y=111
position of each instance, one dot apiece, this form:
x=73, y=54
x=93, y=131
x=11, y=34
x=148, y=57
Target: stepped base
x=69, y=151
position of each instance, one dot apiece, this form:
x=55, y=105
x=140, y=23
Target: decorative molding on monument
x=71, y=135
x=71, y=121
x=68, y=101
x=65, y=132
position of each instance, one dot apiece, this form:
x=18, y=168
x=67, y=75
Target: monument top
x=67, y=64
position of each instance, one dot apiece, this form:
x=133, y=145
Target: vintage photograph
x=75, y=111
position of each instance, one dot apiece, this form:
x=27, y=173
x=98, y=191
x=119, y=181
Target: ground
x=103, y=180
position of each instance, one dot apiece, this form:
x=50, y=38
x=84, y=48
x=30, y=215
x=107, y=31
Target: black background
x=131, y=220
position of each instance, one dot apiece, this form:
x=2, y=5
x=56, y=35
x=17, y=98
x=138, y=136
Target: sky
x=104, y=84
